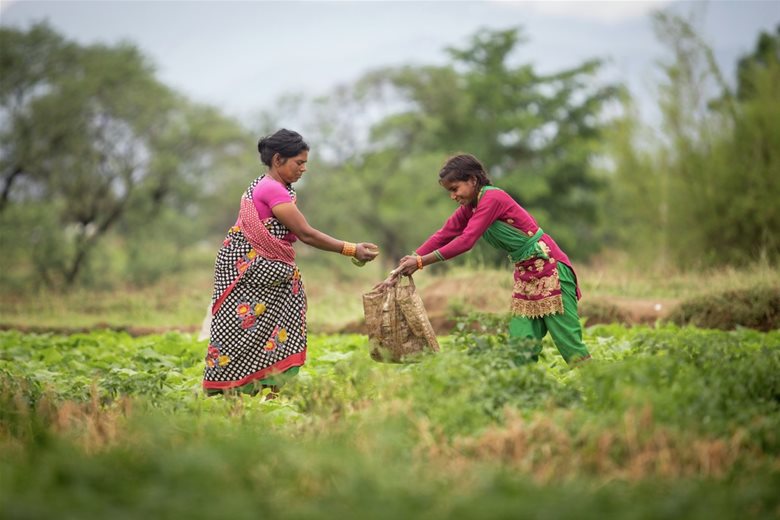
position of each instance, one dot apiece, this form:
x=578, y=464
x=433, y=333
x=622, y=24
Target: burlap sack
x=398, y=326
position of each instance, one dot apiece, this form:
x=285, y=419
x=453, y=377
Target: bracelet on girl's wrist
x=419, y=263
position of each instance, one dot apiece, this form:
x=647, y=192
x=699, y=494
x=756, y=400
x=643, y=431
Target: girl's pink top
x=467, y=224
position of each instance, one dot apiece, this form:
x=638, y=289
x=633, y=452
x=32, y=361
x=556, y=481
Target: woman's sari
x=258, y=327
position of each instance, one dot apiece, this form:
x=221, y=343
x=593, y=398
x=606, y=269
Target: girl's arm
x=451, y=229
x=487, y=211
x=428, y=250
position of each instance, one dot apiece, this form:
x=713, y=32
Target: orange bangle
x=349, y=249
x=419, y=262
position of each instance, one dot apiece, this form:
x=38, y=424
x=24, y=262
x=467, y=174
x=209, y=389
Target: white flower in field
x=658, y=307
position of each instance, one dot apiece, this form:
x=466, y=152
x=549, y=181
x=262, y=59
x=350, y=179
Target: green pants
x=566, y=331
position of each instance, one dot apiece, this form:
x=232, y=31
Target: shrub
x=756, y=308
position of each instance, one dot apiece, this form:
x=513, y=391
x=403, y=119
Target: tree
x=753, y=152
x=710, y=179
x=764, y=59
x=28, y=62
x=94, y=140
x=537, y=134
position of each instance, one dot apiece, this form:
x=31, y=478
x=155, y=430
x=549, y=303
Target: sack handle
x=411, y=280
x=381, y=290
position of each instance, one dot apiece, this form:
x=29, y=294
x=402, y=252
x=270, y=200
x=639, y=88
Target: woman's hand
x=366, y=251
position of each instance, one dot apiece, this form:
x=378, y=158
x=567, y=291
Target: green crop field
x=666, y=422
x=117, y=190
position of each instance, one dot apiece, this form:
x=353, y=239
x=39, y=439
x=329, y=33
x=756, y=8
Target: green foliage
x=711, y=381
x=537, y=135
x=103, y=365
x=702, y=191
x=102, y=422
x=756, y=308
x=753, y=68
x=94, y=138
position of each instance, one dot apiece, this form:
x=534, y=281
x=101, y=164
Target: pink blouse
x=267, y=194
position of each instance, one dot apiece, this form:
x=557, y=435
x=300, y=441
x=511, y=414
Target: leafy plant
x=664, y=420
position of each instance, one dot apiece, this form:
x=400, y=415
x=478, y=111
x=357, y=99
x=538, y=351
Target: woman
x=258, y=329
x=545, y=292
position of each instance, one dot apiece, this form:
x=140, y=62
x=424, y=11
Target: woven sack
x=398, y=326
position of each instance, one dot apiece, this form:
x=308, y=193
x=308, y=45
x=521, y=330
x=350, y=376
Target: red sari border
x=296, y=360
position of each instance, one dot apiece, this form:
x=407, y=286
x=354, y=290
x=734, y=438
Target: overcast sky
x=241, y=56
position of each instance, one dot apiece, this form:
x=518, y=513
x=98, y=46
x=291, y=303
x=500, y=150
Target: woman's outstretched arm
x=289, y=215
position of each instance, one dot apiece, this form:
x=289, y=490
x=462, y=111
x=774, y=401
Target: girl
x=545, y=293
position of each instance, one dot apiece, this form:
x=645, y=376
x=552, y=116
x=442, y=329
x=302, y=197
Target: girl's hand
x=366, y=251
x=388, y=282
x=407, y=266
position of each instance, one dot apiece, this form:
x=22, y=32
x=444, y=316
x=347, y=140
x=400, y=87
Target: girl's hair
x=284, y=142
x=463, y=167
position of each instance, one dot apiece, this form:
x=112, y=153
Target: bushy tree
x=536, y=133
x=703, y=190
x=92, y=140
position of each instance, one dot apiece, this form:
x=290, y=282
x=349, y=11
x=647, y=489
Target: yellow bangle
x=349, y=249
x=419, y=262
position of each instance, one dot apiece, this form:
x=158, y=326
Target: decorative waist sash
x=531, y=249
x=519, y=245
x=537, y=289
